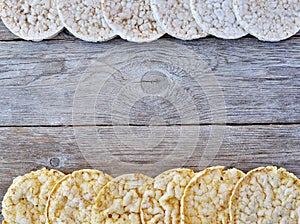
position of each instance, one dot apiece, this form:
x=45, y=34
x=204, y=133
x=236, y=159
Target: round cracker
x=119, y=201
x=161, y=200
x=31, y=20
x=26, y=198
x=84, y=19
x=269, y=20
x=176, y=19
x=266, y=195
x=132, y=20
x=73, y=197
x=206, y=197
x=217, y=18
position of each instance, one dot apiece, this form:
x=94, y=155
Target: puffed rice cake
x=84, y=19
x=269, y=20
x=31, y=19
x=26, y=198
x=206, y=197
x=176, y=19
x=132, y=20
x=73, y=197
x=119, y=201
x=161, y=200
x=217, y=18
x=266, y=195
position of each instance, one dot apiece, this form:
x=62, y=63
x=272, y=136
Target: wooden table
x=259, y=84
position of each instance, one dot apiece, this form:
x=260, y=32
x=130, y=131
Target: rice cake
x=31, y=20
x=161, y=200
x=206, y=197
x=217, y=18
x=84, y=19
x=269, y=20
x=132, y=20
x=176, y=19
x=73, y=197
x=266, y=195
x=119, y=201
x=26, y=198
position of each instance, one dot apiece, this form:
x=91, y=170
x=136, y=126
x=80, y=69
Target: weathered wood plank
x=260, y=83
x=244, y=147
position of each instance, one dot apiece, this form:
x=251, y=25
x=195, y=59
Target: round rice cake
x=176, y=19
x=119, y=201
x=217, y=18
x=161, y=200
x=26, y=198
x=84, y=19
x=269, y=20
x=266, y=195
x=206, y=197
x=73, y=197
x=30, y=19
x=132, y=20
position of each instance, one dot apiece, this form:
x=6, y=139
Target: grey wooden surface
x=259, y=82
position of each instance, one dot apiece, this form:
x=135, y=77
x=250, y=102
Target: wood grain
x=122, y=130
x=244, y=147
x=260, y=82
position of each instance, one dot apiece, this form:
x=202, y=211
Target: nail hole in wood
x=54, y=162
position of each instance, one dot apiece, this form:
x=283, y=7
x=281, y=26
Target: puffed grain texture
x=132, y=20
x=217, y=18
x=268, y=20
x=119, y=201
x=26, y=199
x=31, y=19
x=84, y=19
x=161, y=200
x=206, y=198
x=72, y=198
x=176, y=19
x=266, y=195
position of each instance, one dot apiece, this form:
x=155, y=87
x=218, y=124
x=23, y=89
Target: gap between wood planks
x=154, y=125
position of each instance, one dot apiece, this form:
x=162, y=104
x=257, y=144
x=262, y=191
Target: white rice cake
x=84, y=19
x=176, y=19
x=73, y=197
x=26, y=198
x=269, y=20
x=132, y=20
x=266, y=195
x=119, y=201
x=217, y=18
x=206, y=197
x=161, y=200
x=31, y=19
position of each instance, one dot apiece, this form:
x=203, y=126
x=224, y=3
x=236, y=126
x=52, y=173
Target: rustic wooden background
x=260, y=82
